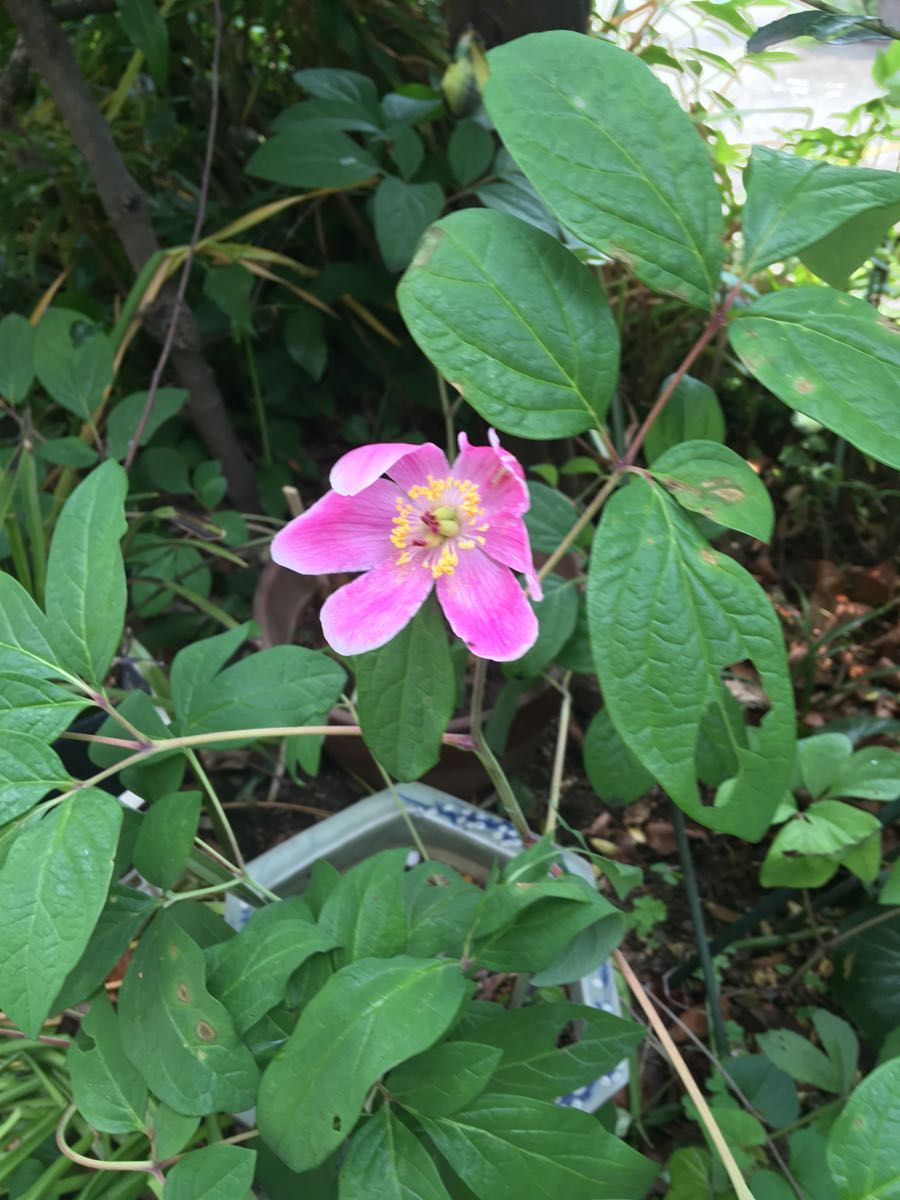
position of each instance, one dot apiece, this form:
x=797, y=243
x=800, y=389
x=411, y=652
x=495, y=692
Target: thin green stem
x=34, y=523
x=258, y=404
x=583, y=521
x=559, y=756
x=199, y=893
x=218, y=812
x=447, y=410
x=476, y=707
x=720, y=1037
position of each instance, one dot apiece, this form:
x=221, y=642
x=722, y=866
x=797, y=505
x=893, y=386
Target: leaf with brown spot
x=179, y=1037
x=712, y=480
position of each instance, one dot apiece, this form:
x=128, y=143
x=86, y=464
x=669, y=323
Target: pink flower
x=427, y=525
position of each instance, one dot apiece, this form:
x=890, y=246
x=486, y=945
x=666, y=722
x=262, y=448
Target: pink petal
x=496, y=473
x=506, y=541
x=368, y=612
x=340, y=533
x=413, y=469
x=362, y=466
x=486, y=607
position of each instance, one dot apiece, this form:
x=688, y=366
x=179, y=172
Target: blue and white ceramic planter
x=458, y=834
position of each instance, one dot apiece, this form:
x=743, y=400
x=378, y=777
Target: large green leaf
x=286, y=685
x=613, y=771
x=179, y=1037
x=29, y=769
x=52, y=888
x=73, y=360
x=148, y=32
x=808, y=848
x=364, y=913
x=36, y=707
x=213, y=1173
x=388, y=1162
x=613, y=156
x=16, y=358
x=106, y=1087
x=534, y=1063
x=312, y=157
x=402, y=212
x=712, y=480
x=249, y=973
x=692, y=413
x=793, y=202
x=86, y=592
x=24, y=636
x=444, y=1078
x=507, y=1147
x=408, y=684
x=836, y=256
x=862, y=1145
x=166, y=837
x=514, y=321
x=668, y=615
x=367, y=1018
x=869, y=774
x=829, y=356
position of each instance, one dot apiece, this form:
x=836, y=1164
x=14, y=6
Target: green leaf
x=109, y=1092
x=829, y=356
x=549, y=518
x=335, y=83
x=836, y=256
x=690, y=1174
x=514, y=321
x=556, y=615
x=29, y=769
x=305, y=341
x=52, y=888
x=364, y=914
x=535, y=1064
x=388, y=1162
x=712, y=480
x=407, y=150
x=179, y=1037
x=869, y=774
x=441, y=908
x=668, y=615
x=368, y=1017
x=692, y=413
x=120, y=921
x=402, y=212
x=36, y=707
x=283, y=686
x=24, y=636
x=469, y=151
x=866, y=979
x=123, y=420
x=808, y=849
x=768, y=1088
x=809, y=1165
x=824, y=27
x=16, y=358
x=212, y=1173
x=166, y=837
x=890, y=889
x=148, y=32
x=444, y=1078
x=323, y=112
x=170, y=1131
x=584, y=953
x=408, y=684
x=86, y=594
x=304, y=157
x=195, y=666
x=230, y=288
x=75, y=370
x=249, y=973
x=507, y=1147
x=613, y=156
x=66, y=452
x=793, y=202
x=862, y=1145
x=800, y=1059
x=820, y=758
x=840, y=1043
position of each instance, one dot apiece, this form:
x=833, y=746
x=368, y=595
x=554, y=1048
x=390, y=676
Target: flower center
x=437, y=520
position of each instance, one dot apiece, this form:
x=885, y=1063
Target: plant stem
x=696, y=909
x=585, y=519
x=839, y=939
x=709, y=1121
x=559, y=757
x=447, y=410
x=488, y=760
x=220, y=818
x=95, y=1164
